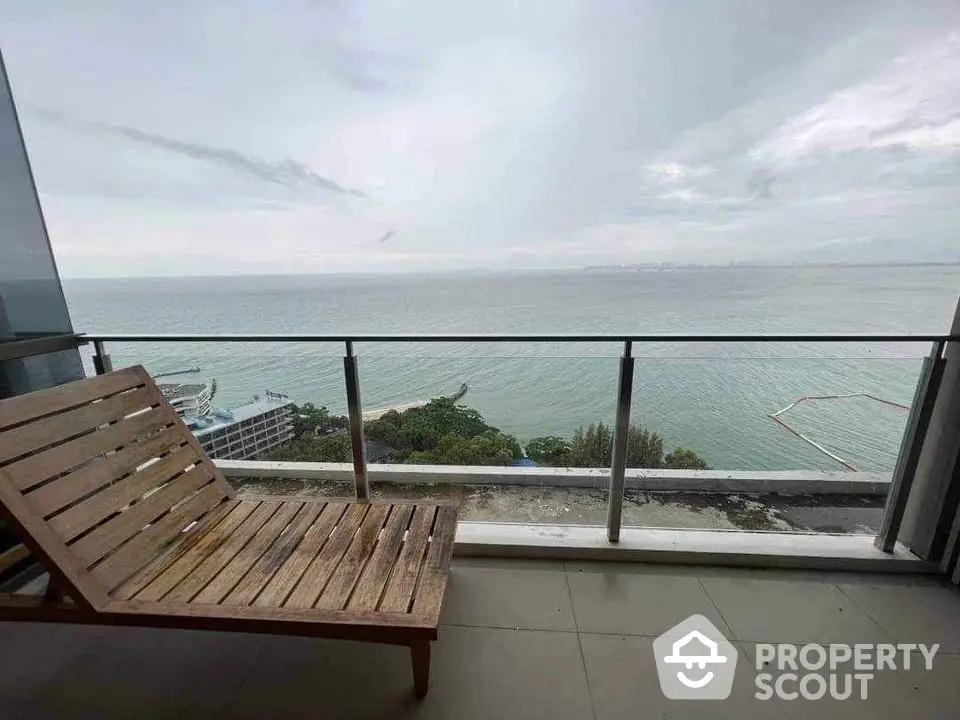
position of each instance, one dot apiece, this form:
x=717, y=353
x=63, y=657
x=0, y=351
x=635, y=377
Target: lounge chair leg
x=420, y=656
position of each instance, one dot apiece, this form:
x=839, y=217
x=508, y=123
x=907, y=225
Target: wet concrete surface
x=588, y=506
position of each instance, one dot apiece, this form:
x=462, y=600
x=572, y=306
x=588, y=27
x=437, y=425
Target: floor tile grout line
x=865, y=612
x=717, y=608
x=89, y=650
x=566, y=584
x=232, y=695
x=741, y=644
x=625, y=634
x=884, y=630
x=751, y=662
x=513, y=628
x=576, y=625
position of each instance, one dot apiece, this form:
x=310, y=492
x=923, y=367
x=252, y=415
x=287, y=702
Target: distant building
x=247, y=431
x=189, y=400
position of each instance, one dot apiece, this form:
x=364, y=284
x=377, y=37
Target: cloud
x=761, y=182
x=284, y=172
x=822, y=169
x=913, y=102
x=369, y=71
x=559, y=133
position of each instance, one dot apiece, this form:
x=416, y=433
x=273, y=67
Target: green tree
x=644, y=448
x=684, y=459
x=549, y=450
x=593, y=447
x=490, y=447
x=385, y=428
x=328, y=448
x=422, y=429
x=311, y=420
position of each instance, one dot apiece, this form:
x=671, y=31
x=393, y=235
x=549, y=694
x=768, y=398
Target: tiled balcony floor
x=520, y=639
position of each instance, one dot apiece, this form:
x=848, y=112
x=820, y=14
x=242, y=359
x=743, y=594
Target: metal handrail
x=495, y=338
x=906, y=466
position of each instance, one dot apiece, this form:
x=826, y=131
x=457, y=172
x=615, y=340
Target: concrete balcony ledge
x=798, y=482
x=811, y=551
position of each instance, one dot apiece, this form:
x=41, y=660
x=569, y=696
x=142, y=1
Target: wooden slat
x=56, y=428
x=43, y=544
x=175, y=551
x=234, y=571
x=433, y=578
x=163, y=582
x=59, y=493
x=338, y=590
x=403, y=581
x=12, y=556
x=38, y=608
x=282, y=584
x=276, y=555
x=315, y=577
x=86, y=514
x=370, y=586
x=395, y=629
x=148, y=544
x=24, y=408
x=110, y=535
x=256, y=616
x=33, y=470
x=208, y=569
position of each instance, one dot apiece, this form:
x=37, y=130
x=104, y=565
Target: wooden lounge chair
x=111, y=492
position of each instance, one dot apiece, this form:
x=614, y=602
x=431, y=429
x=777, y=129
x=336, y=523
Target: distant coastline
x=740, y=265
x=481, y=272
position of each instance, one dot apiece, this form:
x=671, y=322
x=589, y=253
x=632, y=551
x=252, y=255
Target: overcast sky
x=269, y=137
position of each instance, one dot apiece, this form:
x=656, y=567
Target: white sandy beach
x=380, y=412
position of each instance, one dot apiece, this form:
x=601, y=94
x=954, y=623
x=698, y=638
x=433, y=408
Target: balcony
x=830, y=510
x=519, y=639
x=828, y=495
x=544, y=617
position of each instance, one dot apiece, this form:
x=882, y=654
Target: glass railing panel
x=792, y=443
x=279, y=402
x=504, y=420
x=765, y=420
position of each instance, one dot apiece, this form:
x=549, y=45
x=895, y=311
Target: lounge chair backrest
x=99, y=475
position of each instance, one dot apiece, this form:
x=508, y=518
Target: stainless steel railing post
x=101, y=361
x=352, y=380
x=618, y=463
x=911, y=444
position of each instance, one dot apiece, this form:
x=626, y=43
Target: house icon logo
x=695, y=661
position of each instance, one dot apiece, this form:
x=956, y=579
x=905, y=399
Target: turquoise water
x=713, y=398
